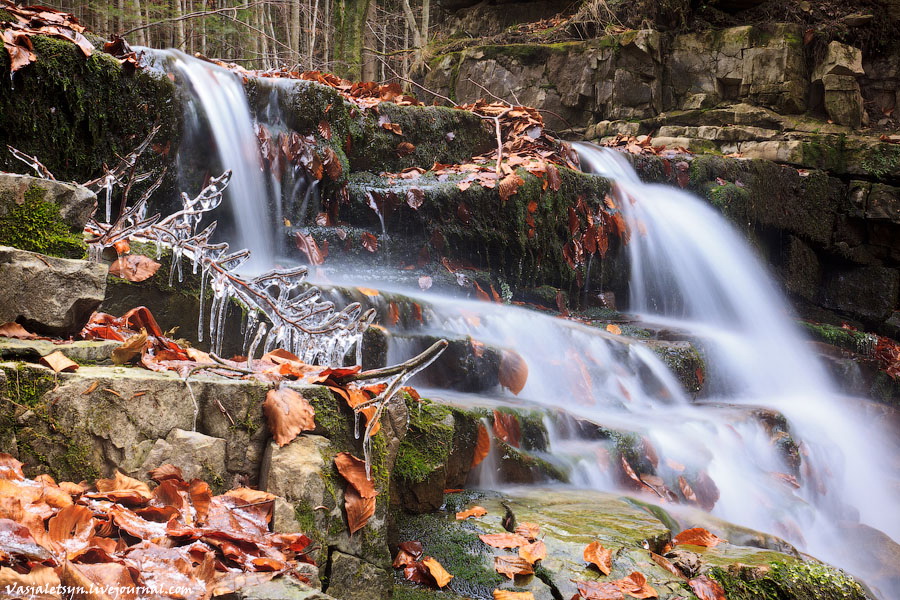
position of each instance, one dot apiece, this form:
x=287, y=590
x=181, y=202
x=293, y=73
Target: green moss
x=406, y=591
x=427, y=444
x=76, y=113
x=36, y=225
x=796, y=581
x=827, y=152
x=848, y=339
x=26, y=385
x=883, y=160
x=5, y=16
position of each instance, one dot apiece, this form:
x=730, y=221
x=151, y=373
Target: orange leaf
x=509, y=185
x=529, y=531
x=507, y=595
x=354, y=471
x=368, y=292
x=369, y=242
x=599, y=556
x=440, y=574
x=288, y=413
x=475, y=511
x=512, y=566
x=359, y=509
x=697, y=536
x=163, y=472
x=636, y=585
x=14, y=330
x=134, y=267
x=707, y=589
x=666, y=564
x=503, y=540
x=131, y=349
x=59, y=362
x=393, y=314
x=599, y=590
x=513, y=371
x=533, y=552
x=506, y=428
x=482, y=445
x=614, y=329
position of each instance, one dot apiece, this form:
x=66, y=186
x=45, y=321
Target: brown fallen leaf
x=440, y=574
x=513, y=371
x=354, y=471
x=16, y=331
x=122, y=488
x=359, y=510
x=636, y=585
x=166, y=471
x=533, y=552
x=707, y=589
x=530, y=531
x=507, y=429
x=131, y=349
x=599, y=556
x=666, y=564
x=697, y=536
x=512, y=566
x=482, y=445
x=475, y=511
x=134, y=267
x=59, y=362
x=599, y=590
x=614, y=329
x=288, y=413
x=369, y=241
x=503, y=540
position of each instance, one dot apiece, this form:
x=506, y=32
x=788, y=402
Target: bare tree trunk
x=413, y=26
x=370, y=40
x=312, y=35
x=179, y=29
x=295, y=30
x=426, y=18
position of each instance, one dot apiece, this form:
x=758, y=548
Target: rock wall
x=639, y=74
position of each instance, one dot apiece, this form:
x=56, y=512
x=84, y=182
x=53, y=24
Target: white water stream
x=690, y=271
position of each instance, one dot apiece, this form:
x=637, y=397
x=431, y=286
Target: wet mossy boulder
x=76, y=114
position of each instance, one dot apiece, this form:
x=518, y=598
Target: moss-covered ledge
x=77, y=114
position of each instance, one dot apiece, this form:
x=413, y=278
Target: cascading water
x=692, y=271
x=217, y=98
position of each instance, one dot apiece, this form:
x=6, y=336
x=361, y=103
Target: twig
x=418, y=85
x=435, y=349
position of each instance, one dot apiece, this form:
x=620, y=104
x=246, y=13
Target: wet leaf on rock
x=437, y=571
x=288, y=413
x=359, y=509
x=503, y=540
x=369, y=242
x=482, y=445
x=599, y=590
x=59, y=362
x=697, y=536
x=533, y=552
x=354, y=471
x=707, y=589
x=599, y=556
x=475, y=511
x=512, y=566
x=16, y=331
x=134, y=267
x=513, y=371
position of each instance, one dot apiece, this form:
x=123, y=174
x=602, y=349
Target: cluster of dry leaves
x=119, y=534
x=531, y=549
x=43, y=20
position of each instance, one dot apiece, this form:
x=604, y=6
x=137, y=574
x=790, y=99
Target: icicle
x=204, y=277
x=109, y=187
x=260, y=332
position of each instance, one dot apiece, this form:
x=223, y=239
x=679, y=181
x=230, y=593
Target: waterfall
x=217, y=100
x=691, y=270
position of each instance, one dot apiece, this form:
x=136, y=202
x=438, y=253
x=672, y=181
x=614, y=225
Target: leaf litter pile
x=119, y=535
x=525, y=541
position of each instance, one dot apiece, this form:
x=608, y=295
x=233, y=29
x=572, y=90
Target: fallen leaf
x=530, y=531
x=371, y=293
x=507, y=429
x=413, y=548
x=508, y=595
x=369, y=242
x=134, y=267
x=614, y=329
x=599, y=590
x=533, y=552
x=512, y=566
x=636, y=585
x=666, y=564
x=414, y=198
x=509, y=185
x=440, y=574
x=697, y=536
x=287, y=413
x=359, y=510
x=405, y=149
x=354, y=471
x=403, y=559
x=475, y=511
x=122, y=487
x=10, y=468
x=310, y=249
x=503, y=540
x=16, y=331
x=482, y=445
x=131, y=349
x=707, y=589
x=59, y=362
x=599, y=556
x=513, y=371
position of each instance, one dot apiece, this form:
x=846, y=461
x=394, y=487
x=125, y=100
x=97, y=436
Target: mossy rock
x=788, y=580
x=31, y=219
x=76, y=114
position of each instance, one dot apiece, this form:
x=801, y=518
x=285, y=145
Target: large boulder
x=53, y=296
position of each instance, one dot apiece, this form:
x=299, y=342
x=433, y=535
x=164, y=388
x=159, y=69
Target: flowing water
x=691, y=272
